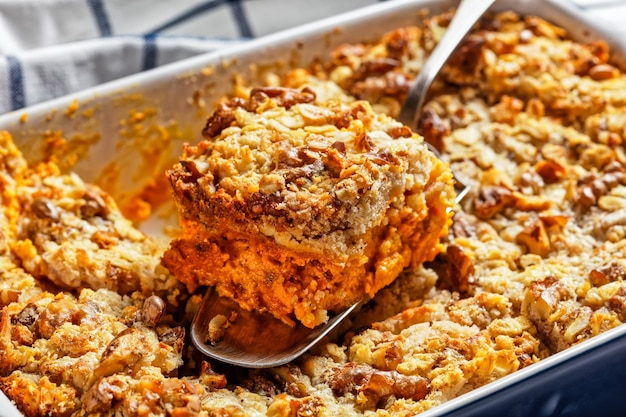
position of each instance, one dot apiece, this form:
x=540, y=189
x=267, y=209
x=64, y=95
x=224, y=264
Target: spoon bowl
x=252, y=339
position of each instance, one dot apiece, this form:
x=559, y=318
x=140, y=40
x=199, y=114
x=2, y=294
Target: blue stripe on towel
x=16, y=83
x=101, y=16
x=149, y=52
x=189, y=14
x=240, y=17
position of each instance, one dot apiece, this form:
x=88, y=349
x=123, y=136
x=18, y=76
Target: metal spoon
x=253, y=339
x=467, y=14
x=258, y=340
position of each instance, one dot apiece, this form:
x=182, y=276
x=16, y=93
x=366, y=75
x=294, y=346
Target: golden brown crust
x=62, y=222
x=58, y=235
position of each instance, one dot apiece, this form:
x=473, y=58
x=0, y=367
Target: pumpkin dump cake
x=298, y=208
x=534, y=262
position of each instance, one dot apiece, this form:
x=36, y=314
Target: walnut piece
x=358, y=378
x=535, y=238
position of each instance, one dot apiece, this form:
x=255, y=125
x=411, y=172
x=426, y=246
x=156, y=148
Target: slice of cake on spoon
x=297, y=207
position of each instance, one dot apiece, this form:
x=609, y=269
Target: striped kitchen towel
x=49, y=48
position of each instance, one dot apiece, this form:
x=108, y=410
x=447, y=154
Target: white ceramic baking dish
x=125, y=133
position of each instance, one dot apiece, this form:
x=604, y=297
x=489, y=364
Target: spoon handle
x=467, y=14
